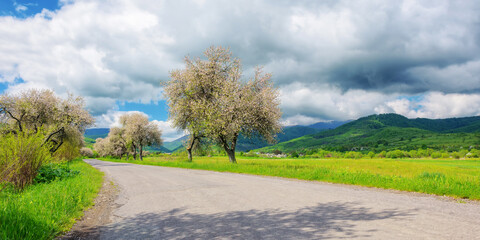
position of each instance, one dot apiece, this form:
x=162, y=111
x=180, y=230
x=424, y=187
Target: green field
x=42, y=211
x=456, y=178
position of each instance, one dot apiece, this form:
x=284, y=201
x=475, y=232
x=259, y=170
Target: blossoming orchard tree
x=62, y=120
x=135, y=133
x=209, y=99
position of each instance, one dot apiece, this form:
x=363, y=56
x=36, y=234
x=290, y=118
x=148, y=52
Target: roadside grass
x=455, y=178
x=43, y=210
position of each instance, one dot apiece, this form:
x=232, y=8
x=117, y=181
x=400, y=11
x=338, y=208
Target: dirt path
x=169, y=203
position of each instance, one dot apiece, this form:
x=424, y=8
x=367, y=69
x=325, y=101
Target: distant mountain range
x=390, y=131
x=95, y=133
x=375, y=132
x=244, y=144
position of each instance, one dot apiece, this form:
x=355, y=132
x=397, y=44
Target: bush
x=51, y=172
x=382, y=154
x=395, y=154
x=21, y=156
x=67, y=152
x=445, y=155
x=86, y=152
x=352, y=154
x=456, y=155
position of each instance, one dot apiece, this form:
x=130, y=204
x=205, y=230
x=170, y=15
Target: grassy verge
x=456, y=178
x=42, y=211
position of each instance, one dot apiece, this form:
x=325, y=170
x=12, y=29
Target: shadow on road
x=331, y=220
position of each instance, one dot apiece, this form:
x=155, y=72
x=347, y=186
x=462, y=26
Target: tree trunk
x=231, y=155
x=189, y=151
x=190, y=147
x=230, y=148
x=134, y=151
x=141, y=152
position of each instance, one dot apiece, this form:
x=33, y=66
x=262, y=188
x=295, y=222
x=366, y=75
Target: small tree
x=208, y=99
x=140, y=132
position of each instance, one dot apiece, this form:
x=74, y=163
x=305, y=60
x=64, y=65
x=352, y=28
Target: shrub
x=395, y=154
x=382, y=154
x=21, y=156
x=456, y=155
x=353, y=155
x=86, y=152
x=51, y=172
x=67, y=152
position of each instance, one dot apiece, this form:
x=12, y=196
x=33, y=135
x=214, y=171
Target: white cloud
x=299, y=120
x=168, y=133
x=435, y=105
x=325, y=102
x=331, y=59
x=20, y=8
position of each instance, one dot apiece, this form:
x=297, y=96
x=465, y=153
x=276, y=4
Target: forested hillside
x=391, y=131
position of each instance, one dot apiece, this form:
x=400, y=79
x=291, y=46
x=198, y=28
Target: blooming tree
x=62, y=120
x=208, y=99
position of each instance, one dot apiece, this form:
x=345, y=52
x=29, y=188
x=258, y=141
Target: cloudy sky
x=331, y=60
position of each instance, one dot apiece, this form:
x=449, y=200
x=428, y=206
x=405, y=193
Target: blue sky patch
x=155, y=111
x=26, y=8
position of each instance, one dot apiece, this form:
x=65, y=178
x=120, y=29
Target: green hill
x=391, y=131
x=245, y=144
x=174, y=145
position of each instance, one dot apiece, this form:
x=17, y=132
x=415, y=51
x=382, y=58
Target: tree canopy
x=62, y=120
x=208, y=99
x=135, y=133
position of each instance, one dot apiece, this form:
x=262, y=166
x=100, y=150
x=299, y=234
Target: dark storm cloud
x=324, y=55
x=371, y=45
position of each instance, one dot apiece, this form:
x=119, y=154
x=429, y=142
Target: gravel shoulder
x=88, y=227
x=170, y=203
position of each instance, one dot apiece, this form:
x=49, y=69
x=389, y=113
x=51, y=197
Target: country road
x=170, y=203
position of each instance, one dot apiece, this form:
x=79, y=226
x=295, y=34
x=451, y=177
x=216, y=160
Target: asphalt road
x=169, y=203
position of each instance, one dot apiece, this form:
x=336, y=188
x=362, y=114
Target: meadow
x=44, y=210
x=459, y=178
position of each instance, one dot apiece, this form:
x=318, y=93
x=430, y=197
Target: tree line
x=135, y=133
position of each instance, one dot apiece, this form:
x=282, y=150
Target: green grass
x=42, y=211
x=456, y=178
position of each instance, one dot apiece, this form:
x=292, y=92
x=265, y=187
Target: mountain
x=391, y=131
x=243, y=144
x=95, y=133
x=288, y=133
x=155, y=148
x=174, y=145
x=328, y=125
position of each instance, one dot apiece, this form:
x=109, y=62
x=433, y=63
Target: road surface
x=170, y=203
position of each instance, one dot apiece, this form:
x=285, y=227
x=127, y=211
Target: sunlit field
x=456, y=178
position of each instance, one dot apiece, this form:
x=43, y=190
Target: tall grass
x=21, y=155
x=42, y=211
x=458, y=178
